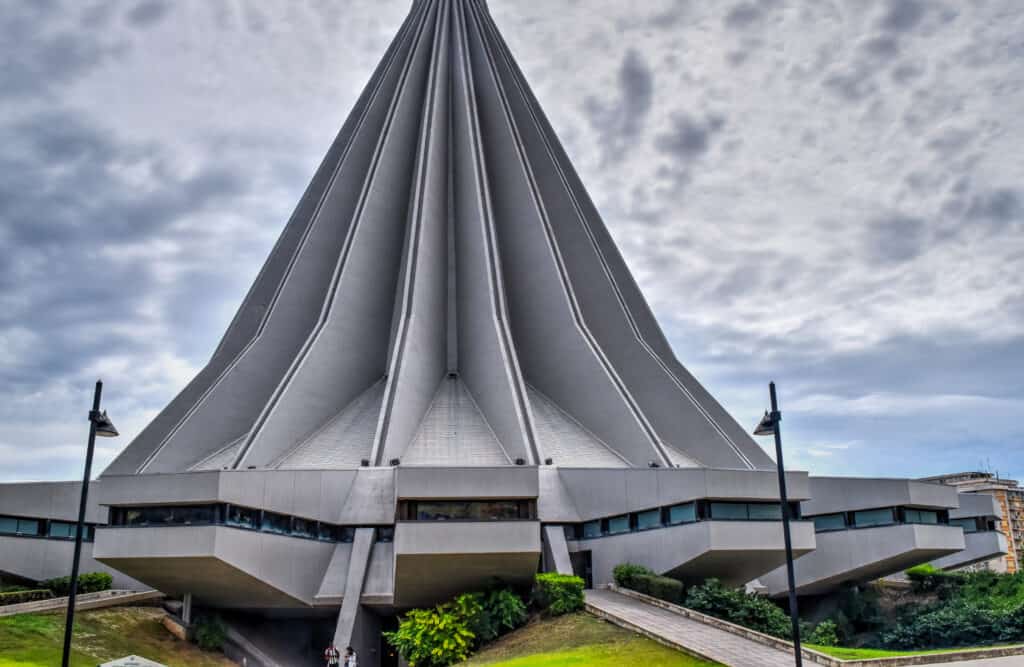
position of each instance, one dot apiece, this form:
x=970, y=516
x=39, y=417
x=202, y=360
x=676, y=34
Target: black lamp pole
x=775, y=417
x=98, y=420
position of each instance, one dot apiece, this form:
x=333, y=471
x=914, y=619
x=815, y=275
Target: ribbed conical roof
x=445, y=293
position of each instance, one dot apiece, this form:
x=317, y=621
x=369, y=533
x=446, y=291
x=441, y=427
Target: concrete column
x=186, y=609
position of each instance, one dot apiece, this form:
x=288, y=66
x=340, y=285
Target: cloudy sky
x=828, y=193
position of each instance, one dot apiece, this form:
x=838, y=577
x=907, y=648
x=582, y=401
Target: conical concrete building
x=444, y=374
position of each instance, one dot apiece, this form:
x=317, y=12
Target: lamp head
x=104, y=427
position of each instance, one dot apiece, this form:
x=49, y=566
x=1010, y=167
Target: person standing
x=350, y=657
x=331, y=655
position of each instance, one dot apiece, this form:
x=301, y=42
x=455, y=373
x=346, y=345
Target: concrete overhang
x=977, y=505
x=602, y=492
x=847, y=494
x=220, y=566
x=979, y=547
x=733, y=551
x=864, y=554
x=50, y=500
x=438, y=483
x=362, y=496
x=437, y=559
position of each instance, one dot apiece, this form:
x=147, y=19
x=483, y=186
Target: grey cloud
x=147, y=13
x=894, y=240
x=742, y=15
x=999, y=207
x=881, y=46
x=902, y=15
x=688, y=138
x=619, y=122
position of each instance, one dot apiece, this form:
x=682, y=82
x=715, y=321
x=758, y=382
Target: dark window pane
x=62, y=530
x=728, y=511
x=384, y=534
x=922, y=516
x=618, y=524
x=829, y=522
x=648, y=519
x=682, y=513
x=969, y=525
x=303, y=527
x=242, y=517
x=28, y=527
x=591, y=529
x=327, y=532
x=472, y=510
x=8, y=525
x=765, y=512
x=348, y=534
x=866, y=518
x=276, y=523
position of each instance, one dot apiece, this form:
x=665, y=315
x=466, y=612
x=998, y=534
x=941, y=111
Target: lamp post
x=770, y=426
x=99, y=425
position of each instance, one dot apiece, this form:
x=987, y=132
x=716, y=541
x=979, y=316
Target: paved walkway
x=719, y=645
x=1011, y=661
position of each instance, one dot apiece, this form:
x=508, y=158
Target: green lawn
x=100, y=636
x=865, y=653
x=579, y=639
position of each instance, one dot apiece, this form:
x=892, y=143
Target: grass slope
x=100, y=635
x=865, y=653
x=579, y=639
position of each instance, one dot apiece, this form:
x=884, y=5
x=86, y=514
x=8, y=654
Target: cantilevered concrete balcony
x=979, y=514
x=437, y=559
x=734, y=551
x=870, y=528
x=221, y=566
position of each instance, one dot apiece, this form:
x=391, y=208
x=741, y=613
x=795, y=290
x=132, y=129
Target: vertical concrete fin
x=347, y=351
x=488, y=364
x=362, y=547
x=556, y=550
x=250, y=319
x=419, y=357
x=558, y=353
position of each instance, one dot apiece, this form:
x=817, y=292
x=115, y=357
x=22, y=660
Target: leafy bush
x=625, y=574
x=449, y=632
x=958, y=624
x=434, y=637
x=663, y=588
x=90, y=582
x=824, y=634
x=17, y=597
x=558, y=593
x=210, y=633
x=736, y=606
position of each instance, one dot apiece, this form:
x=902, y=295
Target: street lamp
x=769, y=425
x=99, y=425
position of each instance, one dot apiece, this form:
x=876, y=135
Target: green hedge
x=736, y=606
x=17, y=597
x=625, y=574
x=663, y=588
x=958, y=624
x=90, y=582
x=210, y=633
x=558, y=594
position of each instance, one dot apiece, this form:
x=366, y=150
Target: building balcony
x=979, y=547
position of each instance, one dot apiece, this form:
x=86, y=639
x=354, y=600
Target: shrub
x=736, y=606
x=210, y=633
x=90, y=582
x=505, y=610
x=824, y=634
x=17, y=597
x=558, y=593
x=625, y=574
x=663, y=588
x=433, y=637
x=958, y=624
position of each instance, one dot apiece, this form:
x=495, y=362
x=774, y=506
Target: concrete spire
x=446, y=294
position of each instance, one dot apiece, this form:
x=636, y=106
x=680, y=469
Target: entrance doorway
x=583, y=567
x=388, y=654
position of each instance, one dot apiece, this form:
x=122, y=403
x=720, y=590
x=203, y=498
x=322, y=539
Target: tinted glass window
x=471, y=510
x=303, y=527
x=682, y=513
x=969, y=525
x=922, y=516
x=882, y=517
x=592, y=529
x=618, y=524
x=728, y=511
x=348, y=534
x=829, y=522
x=242, y=517
x=384, y=534
x=648, y=519
x=768, y=512
x=8, y=525
x=28, y=527
x=62, y=529
x=276, y=523
x=327, y=532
